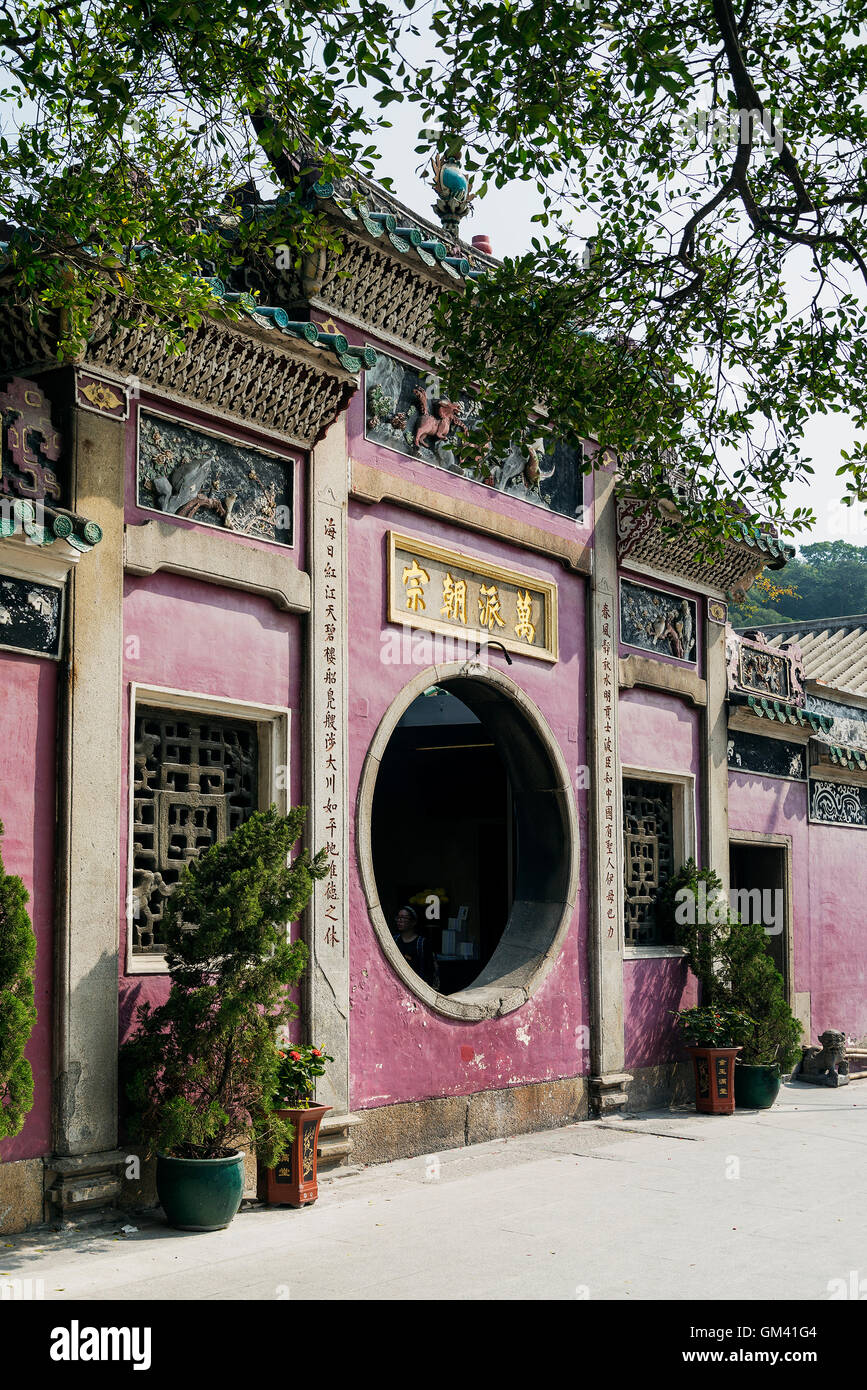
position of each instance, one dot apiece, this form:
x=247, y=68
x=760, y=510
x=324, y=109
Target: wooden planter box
x=293, y=1181
x=714, y=1079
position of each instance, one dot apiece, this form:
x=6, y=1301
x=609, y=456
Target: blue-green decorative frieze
x=184, y=472
x=405, y=412
x=848, y=722
x=657, y=622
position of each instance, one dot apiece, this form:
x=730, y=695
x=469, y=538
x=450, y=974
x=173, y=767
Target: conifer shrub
x=732, y=963
x=201, y=1071
x=17, y=1007
x=753, y=984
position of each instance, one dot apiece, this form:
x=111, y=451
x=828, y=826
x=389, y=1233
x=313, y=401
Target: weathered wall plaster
x=27, y=804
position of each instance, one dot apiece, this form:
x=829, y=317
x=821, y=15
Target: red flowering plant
x=296, y=1076
x=710, y=1026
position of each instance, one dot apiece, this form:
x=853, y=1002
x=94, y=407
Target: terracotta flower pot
x=293, y=1180
x=714, y=1079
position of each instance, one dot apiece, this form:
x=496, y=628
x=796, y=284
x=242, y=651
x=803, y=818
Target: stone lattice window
x=195, y=781
x=648, y=855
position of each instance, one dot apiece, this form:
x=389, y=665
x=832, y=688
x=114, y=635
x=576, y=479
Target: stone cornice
x=19, y=557
x=658, y=675
x=215, y=558
x=373, y=485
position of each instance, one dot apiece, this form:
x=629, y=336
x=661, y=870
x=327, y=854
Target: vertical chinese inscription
x=331, y=745
x=609, y=782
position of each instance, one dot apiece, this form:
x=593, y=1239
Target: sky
x=504, y=215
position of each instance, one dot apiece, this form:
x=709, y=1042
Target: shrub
x=17, y=1009
x=203, y=1068
x=701, y=940
x=754, y=984
x=732, y=963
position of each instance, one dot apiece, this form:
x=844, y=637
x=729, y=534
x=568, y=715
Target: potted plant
x=732, y=963
x=293, y=1180
x=770, y=1041
x=17, y=1009
x=202, y=1068
x=709, y=1033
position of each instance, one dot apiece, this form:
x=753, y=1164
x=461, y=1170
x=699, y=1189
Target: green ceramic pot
x=756, y=1088
x=200, y=1194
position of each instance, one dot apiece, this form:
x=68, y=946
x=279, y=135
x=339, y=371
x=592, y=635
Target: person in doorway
x=415, y=946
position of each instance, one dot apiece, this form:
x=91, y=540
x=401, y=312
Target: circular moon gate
x=545, y=839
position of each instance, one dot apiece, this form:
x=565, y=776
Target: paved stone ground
x=662, y=1205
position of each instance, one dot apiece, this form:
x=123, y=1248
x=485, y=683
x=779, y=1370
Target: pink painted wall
x=28, y=703
x=211, y=641
x=829, y=890
x=662, y=733
x=400, y=1049
x=184, y=634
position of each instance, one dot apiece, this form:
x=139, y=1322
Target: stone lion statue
x=825, y=1065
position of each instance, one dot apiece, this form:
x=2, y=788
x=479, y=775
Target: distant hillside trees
x=827, y=580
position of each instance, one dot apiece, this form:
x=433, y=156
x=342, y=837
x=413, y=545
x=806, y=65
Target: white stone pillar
x=606, y=814
x=86, y=981
x=327, y=780
x=715, y=789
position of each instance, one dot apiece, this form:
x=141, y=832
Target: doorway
x=759, y=876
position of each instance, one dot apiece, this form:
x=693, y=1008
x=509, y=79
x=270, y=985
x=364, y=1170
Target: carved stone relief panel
x=405, y=411
x=185, y=472
x=657, y=622
x=30, y=447
x=757, y=668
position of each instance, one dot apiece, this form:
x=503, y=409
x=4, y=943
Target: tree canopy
x=696, y=287
x=827, y=580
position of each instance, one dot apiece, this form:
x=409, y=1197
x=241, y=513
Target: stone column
x=327, y=784
x=86, y=989
x=715, y=789
x=606, y=815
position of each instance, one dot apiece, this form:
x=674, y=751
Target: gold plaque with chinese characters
x=447, y=592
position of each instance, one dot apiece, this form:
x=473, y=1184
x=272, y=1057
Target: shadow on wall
x=789, y=803
x=657, y=992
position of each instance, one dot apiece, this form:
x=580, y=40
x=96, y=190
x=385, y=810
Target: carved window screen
x=648, y=856
x=196, y=780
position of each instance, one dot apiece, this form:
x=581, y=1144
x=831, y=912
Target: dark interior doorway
x=762, y=868
x=443, y=824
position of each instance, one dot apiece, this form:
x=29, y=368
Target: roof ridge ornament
x=454, y=190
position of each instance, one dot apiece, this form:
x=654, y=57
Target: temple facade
x=256, y=574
